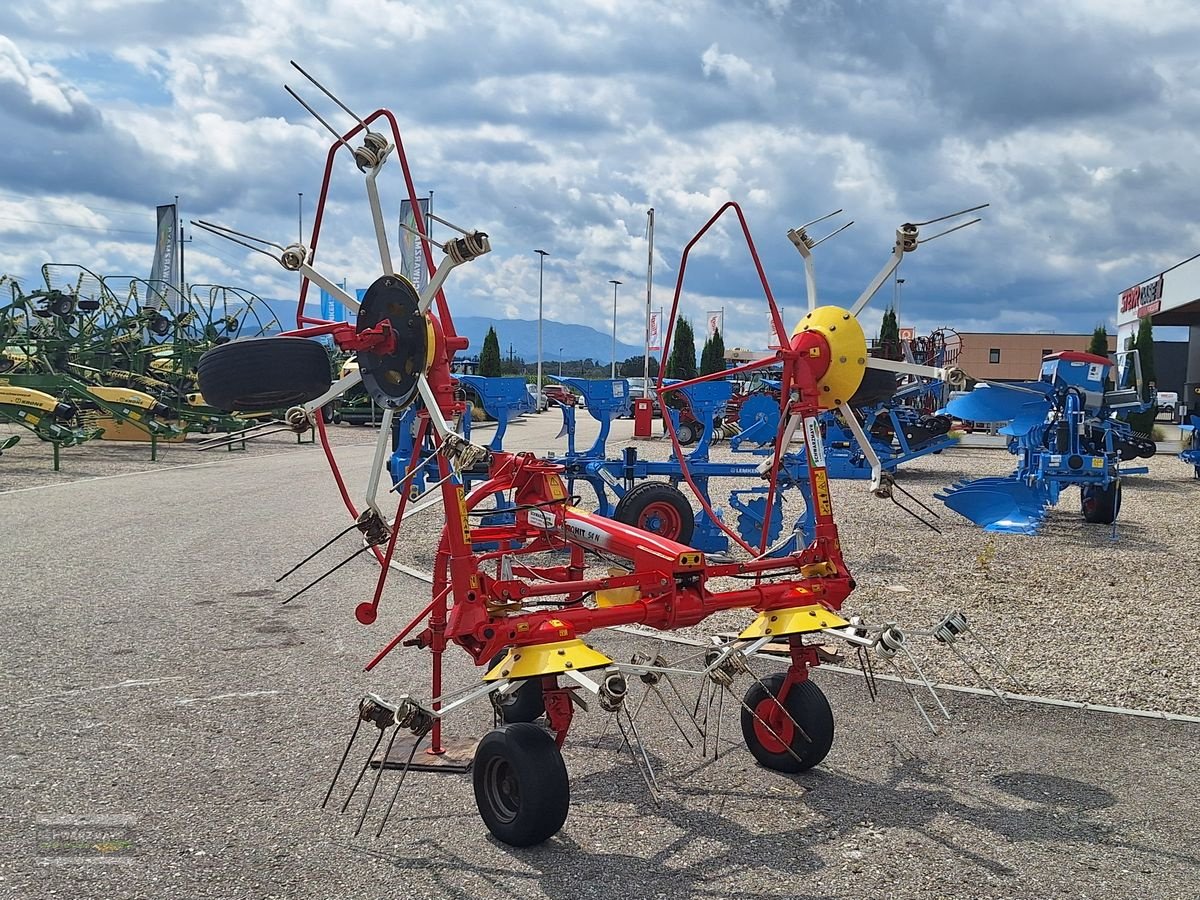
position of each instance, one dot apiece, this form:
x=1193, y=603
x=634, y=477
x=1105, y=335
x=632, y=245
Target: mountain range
x=518, y=335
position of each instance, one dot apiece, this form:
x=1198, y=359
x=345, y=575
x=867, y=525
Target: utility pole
x=542, y=254
x=649, y=291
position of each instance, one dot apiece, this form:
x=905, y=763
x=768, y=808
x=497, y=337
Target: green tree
x=889, y=335
x=682, y=362
x=712, y=357
x=635, y=365
x=489, y=355
x=1099, y=343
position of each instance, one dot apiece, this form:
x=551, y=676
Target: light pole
x=560, y=350
x=614, y=283
x=542, y=254
x=899, y=286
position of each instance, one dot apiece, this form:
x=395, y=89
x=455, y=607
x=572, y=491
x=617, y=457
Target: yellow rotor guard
x=547, y=659
x=793, y=620
x=847, y=352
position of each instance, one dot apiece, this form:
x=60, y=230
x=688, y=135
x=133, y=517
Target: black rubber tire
x=525, y=704
x=263, y=373
x=1101, y=505
x=687, y=433
x=877, y=386
x=807, y=706
x=650, y=494
x=521, y=785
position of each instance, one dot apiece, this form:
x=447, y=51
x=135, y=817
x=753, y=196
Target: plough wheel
x=263, y=373
x=659, y=508
x=805, y=706
x=521, y=785
x=1101, y=505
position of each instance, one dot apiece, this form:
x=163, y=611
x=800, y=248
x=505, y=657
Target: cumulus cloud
x=558, y=126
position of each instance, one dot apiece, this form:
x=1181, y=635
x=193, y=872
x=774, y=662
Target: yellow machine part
x=793, y=620
x=12, y=395
x=123, y=431
x=547, y=659
x=847, y=349
x=126, y=396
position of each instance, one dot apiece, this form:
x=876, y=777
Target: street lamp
x=899, y=286
x=614, y=283
x=542, y=254
x=560, y=350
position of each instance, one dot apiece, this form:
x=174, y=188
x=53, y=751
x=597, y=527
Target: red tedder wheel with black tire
x=772, y=727
x=521, y=784
x=659, y=508
x=263, y=373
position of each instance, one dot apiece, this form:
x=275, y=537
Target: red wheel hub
x=661, y=519
x=771, y=711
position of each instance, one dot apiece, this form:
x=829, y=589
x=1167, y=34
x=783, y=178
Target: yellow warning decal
x=462, y=513
x=555, y=486
x=824, y=505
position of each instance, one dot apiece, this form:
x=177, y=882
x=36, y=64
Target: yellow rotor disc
x=847, y=352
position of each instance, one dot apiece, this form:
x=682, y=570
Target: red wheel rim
x=661, y=519
x=776, y=718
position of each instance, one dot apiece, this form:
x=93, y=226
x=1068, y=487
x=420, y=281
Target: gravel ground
x=149, y=673
x=1072, y=612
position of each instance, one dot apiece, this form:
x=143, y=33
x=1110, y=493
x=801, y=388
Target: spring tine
x=403, y=773
x=359, y=552
x=324, y=90
x=916, y=516
x=225, y=230
x=816, y=220
x=961, y=212
x=682, y=704
x=836, y=231
x=916, y=500
x=979, y=675
x=362, y=772
x=340, y=534
x=868, y=670
x=720, y=712
x=603, y=732
x=997, y=663
x=648, y=772
x=912, y=694
x=337, y=774
x=948, y=231
x=928, y=686
x=378, y=775
x=312, y=112
x=636, y=713
x=671, y=714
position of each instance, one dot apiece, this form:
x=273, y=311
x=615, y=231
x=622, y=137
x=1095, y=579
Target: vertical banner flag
x=656, y=330
x=716, y=322
x=165, y=268
x=412, y=260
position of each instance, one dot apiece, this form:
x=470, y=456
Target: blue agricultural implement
x=1065, y=432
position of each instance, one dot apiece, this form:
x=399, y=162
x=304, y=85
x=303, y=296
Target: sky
x=557, y=125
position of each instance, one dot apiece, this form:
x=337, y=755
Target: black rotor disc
x=391, y=378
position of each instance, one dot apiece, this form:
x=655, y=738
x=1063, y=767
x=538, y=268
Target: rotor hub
x=390, y=377
x=832, y=341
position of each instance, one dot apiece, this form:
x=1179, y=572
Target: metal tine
x=329, y=542
x=345, y=754
x=928, y=685
x=648, y=773
x=948, y=231
x=324, y=90
x=358, y=552
x=422, y=235
x=224, y=230
x=720, y=711
x=403, y=774
x=953, y=645
x=927, y=524
x=378, y=774
x=912, y=693
x=671, y=714
x=220, y=233
x=868, y=670
x=240, y=432
x=997, y=664
x=239, y=437
x=312, y=112
x=836, y=231
x=442, y=221
x=361, y=772
x=953, y=215
x=783, y=709
x=800, y=228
